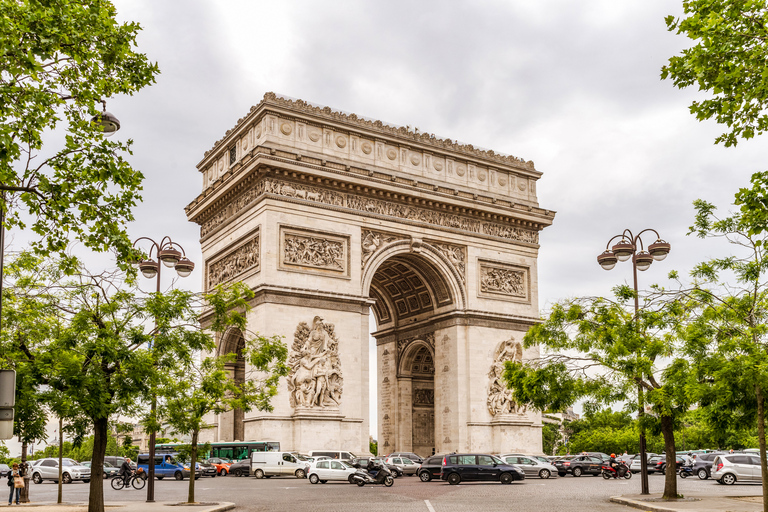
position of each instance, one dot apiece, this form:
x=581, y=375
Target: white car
x=48, y=469
x=329, y=470
x=531, y=466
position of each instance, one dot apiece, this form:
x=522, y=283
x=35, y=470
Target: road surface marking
x=429, y=506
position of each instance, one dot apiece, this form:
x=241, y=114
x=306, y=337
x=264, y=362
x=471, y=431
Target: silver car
x=48, y=469
x=531, y=466
x=745, y=467
x=407, y=465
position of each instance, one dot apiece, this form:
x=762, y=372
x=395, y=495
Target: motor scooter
x=621, y=471
x=686, y=471
x=381, y=476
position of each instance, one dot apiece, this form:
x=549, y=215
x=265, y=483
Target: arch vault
x=329, y=217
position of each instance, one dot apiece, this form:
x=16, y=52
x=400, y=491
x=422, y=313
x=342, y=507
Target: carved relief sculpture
x=313, y=252
x=456, y=255
x=499, y=395
x=423, y=397
x=235, y=263
x=503, y=281
x=373, y=241
x=315, y=378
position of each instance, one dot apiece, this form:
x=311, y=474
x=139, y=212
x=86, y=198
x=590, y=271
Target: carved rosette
x=372, y=241
x=245, y=257
x=499, y=395
x=456, y=255
x=315, y=379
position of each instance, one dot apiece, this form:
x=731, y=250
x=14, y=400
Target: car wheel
x=388, y=481
x=258, y=473
x=728, y=479
x=213, y=475
x=223, y=472
x=454, y=478
x=544, y=473
x=703, y=475
x=561, y=474
x=105, y=476
x=663, y=470
x=159, y=477
x=577, y=472
x=323, y=481
x=505, y=478
x=300, y=473
x=66, y=478
x=313, y=478
x=86, y=481
x=178, y=475
x=425, y=476
x=237, y=472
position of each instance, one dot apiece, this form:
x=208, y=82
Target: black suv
x=466, y=467
x=430, y=468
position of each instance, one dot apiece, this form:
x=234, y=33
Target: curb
x=642, y=505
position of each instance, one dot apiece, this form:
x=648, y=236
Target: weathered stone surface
x=329, y=216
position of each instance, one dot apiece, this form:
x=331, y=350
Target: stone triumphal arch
x=327, y=216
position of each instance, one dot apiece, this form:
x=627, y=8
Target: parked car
x=562, y=464
x=582, y=465
x=240, y=468
x=207, y=469
x=660, y=464
x=702, y=464
x=409, y=455
x=467, y=467
x=118, y=461
x=4, y=469
x=48, y=469
x=636, y=467
x=531, y=466
x=730, y=468
x=330, y=470
x=221, y=465
x=334, y=454
x=408, y=466
x=362, y=462
x=430, y=468
x=277, y=464
x=107, y=469
x=166, y=465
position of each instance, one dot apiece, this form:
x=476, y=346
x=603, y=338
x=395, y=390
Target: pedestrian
x=15, y=482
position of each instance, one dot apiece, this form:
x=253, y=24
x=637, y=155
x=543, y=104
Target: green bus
x=231, y=450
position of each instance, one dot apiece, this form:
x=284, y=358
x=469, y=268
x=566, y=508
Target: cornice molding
x=404, y=133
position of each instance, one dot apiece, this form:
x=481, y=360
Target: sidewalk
x=693, y=502
x=129, y=506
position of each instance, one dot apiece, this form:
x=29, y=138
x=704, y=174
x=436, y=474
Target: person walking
x=15, y=482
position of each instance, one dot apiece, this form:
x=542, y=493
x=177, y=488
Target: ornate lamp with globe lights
x=171, y=255
x=627, y=248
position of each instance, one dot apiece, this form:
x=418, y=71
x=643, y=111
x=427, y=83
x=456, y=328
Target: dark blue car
x=474, y=467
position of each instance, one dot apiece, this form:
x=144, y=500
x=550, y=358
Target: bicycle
x=138, y=480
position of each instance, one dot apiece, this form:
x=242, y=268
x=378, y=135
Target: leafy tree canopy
x=728, y=60
x=60, y=58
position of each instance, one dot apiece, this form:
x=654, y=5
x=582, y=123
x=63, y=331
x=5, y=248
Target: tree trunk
x=191, y=497
x=670, y=480
x=96, y=491
x=25, y=473
x=761, y=441
x=61, y=449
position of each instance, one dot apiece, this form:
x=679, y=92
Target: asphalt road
x=586, y=493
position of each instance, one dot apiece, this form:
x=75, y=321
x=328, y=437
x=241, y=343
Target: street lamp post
x=172, y=256
x=623, y=250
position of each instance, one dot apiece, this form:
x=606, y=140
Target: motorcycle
x=686, y=471
x=381, y=476
x=621, y=471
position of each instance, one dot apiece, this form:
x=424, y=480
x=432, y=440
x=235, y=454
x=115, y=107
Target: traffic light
x=7, y=401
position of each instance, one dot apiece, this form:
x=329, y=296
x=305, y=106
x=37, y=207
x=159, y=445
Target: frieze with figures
x=369, y=206
x=504, y=282
x=456, y=255
x=245, y=257
x=423, y=396
x=372, y=241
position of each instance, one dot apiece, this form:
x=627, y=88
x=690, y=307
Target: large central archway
x=414, y=293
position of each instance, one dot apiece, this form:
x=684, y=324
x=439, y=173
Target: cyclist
x=126, y=471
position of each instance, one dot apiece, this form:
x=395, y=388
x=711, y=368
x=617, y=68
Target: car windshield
x=407, y=461
x=497, y=460
x=346, y=464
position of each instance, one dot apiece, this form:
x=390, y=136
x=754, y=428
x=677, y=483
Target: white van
x=333, y=454
x=277, y=464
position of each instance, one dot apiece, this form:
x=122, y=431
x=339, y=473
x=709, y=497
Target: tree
x=60, y=59
x=201, y=387
x=613, y=352
x=728, y=339
x=728, y=60
x=550, y=437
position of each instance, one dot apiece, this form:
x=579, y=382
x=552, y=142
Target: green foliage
x=728, y=60
x=550, y=436
x=5, y=454
x=373, y=447
x=60, y=58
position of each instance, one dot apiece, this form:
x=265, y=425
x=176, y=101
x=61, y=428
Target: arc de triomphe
x=326, y=216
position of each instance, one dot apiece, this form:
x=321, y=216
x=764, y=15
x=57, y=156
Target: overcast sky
x=572, y=85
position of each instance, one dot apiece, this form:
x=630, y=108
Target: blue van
x=166, y=465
